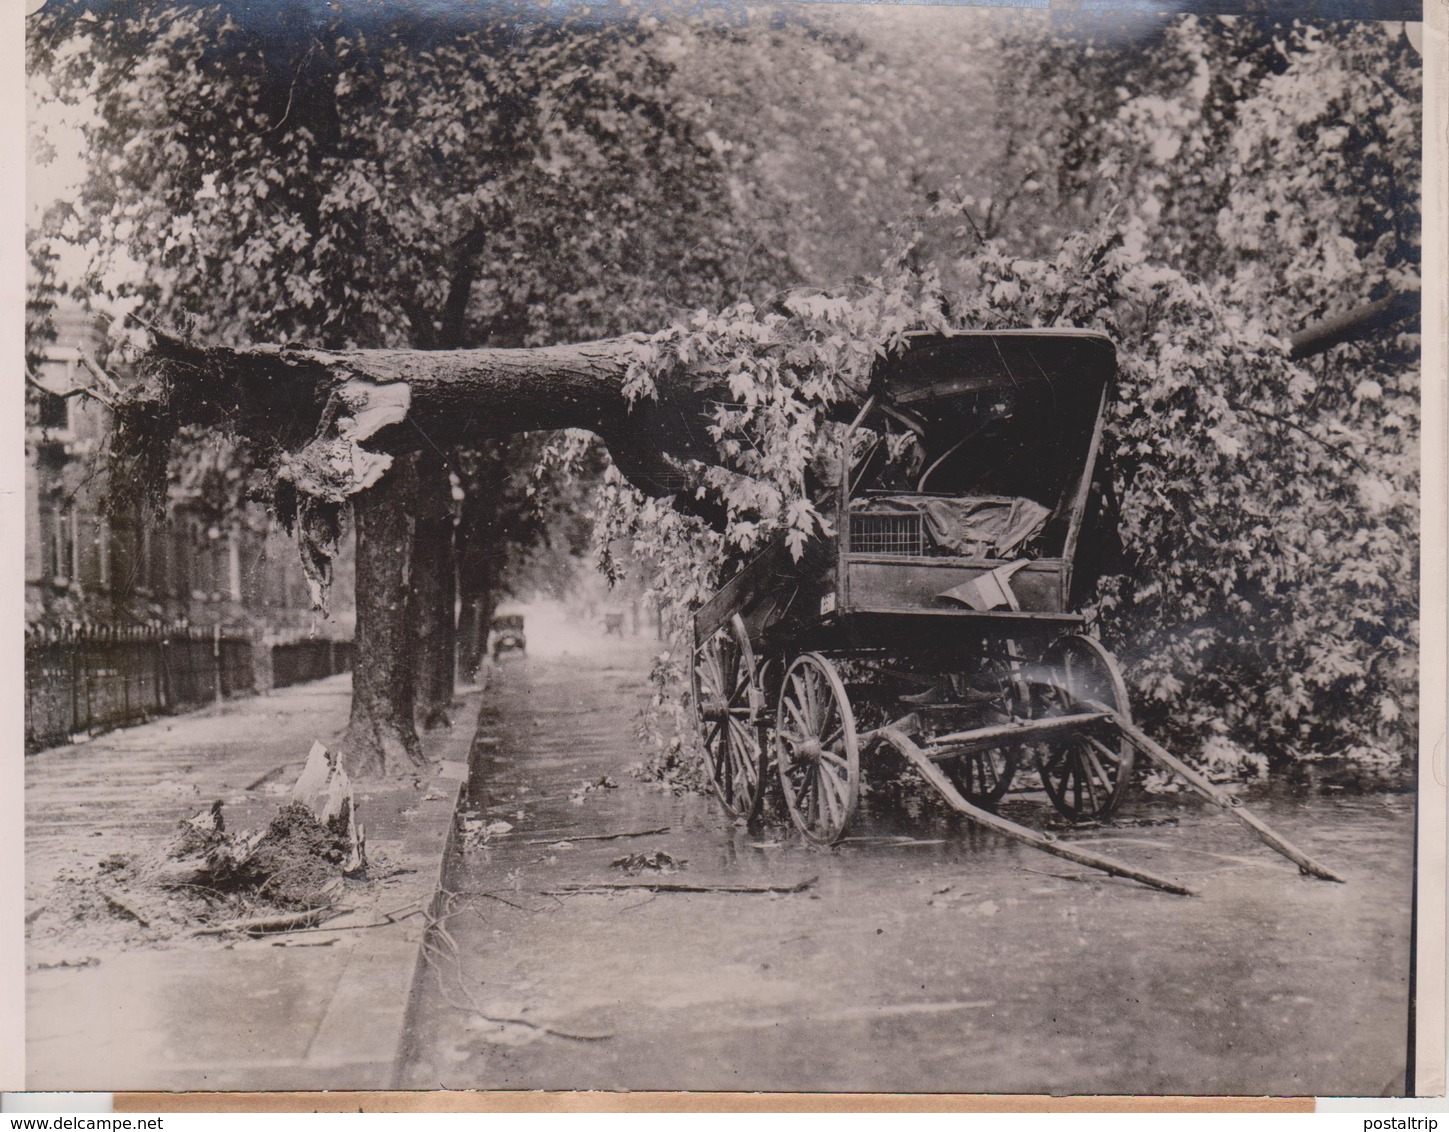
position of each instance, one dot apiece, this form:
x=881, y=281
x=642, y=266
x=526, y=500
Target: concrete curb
x=360, y=1036
x=419, y=968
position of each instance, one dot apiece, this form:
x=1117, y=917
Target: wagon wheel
x=728, y=703
x=816, y=749
x=1085, y=777
x=984, y=776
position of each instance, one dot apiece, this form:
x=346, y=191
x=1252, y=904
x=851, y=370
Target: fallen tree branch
x=264, y=924
x=598, y=836
x=1045, y=842
x=673, y=886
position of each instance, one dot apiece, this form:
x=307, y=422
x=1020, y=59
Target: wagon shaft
x=1222, y=800
x=932, y=774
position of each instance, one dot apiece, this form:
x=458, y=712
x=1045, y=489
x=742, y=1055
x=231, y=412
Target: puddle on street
x=925, y=955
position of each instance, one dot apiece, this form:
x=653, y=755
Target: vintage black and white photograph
x=829, y=548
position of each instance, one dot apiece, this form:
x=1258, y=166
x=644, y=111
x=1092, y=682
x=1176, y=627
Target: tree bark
x=481, y=555
x=434, y=589
x=476, y=616
x=381, y=739
x=338, y=419
x=1357, y=323
x=340, y=414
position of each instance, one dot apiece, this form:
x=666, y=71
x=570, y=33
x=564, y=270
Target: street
x=927, y=956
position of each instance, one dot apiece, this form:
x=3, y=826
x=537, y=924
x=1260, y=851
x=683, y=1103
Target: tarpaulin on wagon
x=983, y=526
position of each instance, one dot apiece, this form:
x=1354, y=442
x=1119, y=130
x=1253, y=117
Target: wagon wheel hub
x=811, y=749
x=712, y=711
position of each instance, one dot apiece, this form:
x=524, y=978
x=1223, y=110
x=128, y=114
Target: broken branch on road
x=599, y=836
x=674, y=886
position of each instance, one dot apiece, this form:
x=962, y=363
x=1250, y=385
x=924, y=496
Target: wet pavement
x=927, y=956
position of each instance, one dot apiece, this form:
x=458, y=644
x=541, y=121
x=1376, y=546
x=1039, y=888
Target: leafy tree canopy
x=1228, y=180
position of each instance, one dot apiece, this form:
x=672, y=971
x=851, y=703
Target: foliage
x=1267, y=510
x=510, y=180
x=360, y=177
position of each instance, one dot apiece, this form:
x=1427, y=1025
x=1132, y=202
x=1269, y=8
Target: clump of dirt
x=205, y=880
x=294, y=865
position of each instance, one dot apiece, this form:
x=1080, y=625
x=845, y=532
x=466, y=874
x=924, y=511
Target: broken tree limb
x=599, y=836
x=1160, y=754
x=672, y=886
x=933, y=774
x=262, y=925
x=332, y=423
x=341, y=416
x=389, y=920
x=1357, y=323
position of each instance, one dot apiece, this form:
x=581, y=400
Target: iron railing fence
x=80, y=680
x=296, y=662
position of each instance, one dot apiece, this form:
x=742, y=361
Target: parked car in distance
x=508, y=634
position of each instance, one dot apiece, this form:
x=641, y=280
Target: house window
x=52, y=412
x=64, y=537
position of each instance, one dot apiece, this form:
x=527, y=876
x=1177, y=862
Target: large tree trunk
x=479, y=600
x=381, y=740
x=434, y=589
x=481, y=555
x=341, y=417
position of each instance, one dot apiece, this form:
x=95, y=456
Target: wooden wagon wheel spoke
x=1081, y=785
x=984, y=772
x=832, y=790
x=724, y=685
x=805, y=701
x=1095, y=765
x=818, y=705
x=793, y=708
x=1083, y=779
x=816, y=749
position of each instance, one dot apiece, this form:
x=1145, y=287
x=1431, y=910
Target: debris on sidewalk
x=477, y=832
x=261, y=925
x=599, y=836
x=206, y=880
x=578, y=795
x=656, y=861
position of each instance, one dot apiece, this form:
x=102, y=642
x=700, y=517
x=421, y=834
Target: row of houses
x=119, y=588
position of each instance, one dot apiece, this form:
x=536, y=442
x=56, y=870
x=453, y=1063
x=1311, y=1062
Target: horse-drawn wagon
x=942, y=614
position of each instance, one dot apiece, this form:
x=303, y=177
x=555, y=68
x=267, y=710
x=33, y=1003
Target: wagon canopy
x=1008, y=412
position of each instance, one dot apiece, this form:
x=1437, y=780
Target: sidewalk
x=207, y=1014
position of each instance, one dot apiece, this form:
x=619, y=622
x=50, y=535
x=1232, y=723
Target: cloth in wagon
x=982, y=526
